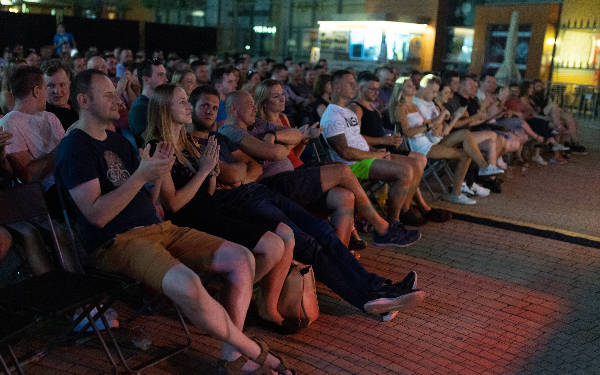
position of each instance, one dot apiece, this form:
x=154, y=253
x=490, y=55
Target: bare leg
x=273, y=281
x=340, y=175
x=184, y=287
x=469, y=144
x=487, y=141
x=401, y=176
x=417, y=162
x=341, y=201
x=238, y=264
x=444, y=152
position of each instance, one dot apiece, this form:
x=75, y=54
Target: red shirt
x=294, y=154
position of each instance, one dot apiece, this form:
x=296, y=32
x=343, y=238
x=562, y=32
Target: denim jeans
x=316, y=242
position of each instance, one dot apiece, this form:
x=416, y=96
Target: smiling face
x=409, y=88
x=430, y=91
x=276, y=101
x=57, y=88
x=445, y=94
x=101, y=101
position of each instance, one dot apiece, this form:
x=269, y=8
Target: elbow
x=97, y=221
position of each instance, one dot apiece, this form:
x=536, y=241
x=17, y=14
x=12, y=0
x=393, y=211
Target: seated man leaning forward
x=119, y=225
x=315, y=241
x=332, y=185
x=341, y=129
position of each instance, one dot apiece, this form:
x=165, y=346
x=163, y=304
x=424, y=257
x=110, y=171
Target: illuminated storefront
x=367, y=43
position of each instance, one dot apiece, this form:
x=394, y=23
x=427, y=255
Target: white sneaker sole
x=383, y=244
x=386, y=305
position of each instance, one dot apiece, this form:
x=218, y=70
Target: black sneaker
x=389, y=298
x=408, y=283
x=397, y=236
x=578, y=149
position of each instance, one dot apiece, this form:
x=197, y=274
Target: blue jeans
x=316, y=242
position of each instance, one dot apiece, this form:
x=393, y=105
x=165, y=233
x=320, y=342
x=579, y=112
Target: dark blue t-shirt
x=81, y=158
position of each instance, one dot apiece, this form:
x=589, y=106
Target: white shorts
x=422, y=143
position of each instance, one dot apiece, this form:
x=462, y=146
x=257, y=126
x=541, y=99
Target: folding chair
x=68, y=206
x=52, y=294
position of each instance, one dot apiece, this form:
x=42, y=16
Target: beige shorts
x=147, y=253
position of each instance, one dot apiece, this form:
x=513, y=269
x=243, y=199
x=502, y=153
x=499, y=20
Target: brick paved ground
x=498, y=302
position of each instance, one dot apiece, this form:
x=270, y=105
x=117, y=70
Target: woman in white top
x=425, y=134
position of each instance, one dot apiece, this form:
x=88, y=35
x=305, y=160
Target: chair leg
x=4, y=365
x=16, y=360
x=153, y=362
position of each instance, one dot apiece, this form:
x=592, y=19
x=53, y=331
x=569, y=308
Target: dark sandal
x=235, y=367
x=262, y=357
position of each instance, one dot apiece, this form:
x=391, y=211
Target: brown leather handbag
x=298, y=299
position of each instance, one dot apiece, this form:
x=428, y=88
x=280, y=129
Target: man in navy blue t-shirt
x=119, y=227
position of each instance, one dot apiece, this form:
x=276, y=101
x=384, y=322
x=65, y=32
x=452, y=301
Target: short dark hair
x=217, y=75
x=319, y=85
x=145, y=68
x=52, y=66
x=202, y=90
x=278, y=68
x=196, y=63
x=338, y=74
x=24, y=79
x=367, y=76
x=465, y=77
x=448, y=75
x=485, y=75
x=82, y=83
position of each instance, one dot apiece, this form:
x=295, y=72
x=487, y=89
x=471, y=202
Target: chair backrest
x=25, y=202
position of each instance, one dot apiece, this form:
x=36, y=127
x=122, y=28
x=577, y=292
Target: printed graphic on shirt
x=116, y=173
x=351, y=121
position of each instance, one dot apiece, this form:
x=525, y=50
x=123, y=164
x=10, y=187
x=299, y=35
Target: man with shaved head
x=98, y=63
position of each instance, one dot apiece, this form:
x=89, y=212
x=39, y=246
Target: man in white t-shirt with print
x=341, y=129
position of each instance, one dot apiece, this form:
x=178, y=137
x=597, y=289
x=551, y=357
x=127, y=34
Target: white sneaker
x=465, y=189
x=559, y=147
x=500, y=163
x=538, y=159
x=460, y=199
x=480, y=190
x=490, y=170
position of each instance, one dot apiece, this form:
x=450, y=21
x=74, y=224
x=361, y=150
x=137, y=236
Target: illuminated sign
x=265, y=29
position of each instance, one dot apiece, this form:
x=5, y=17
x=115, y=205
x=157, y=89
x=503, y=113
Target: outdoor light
x=5, y=2
x=265, y=29
x=550, y=41
x=247, y=47
x=198, y=13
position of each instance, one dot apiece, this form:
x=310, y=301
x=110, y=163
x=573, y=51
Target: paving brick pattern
x=498, y=302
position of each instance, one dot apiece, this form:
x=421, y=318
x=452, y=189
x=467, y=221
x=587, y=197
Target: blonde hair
x=396, y=99
x=262, y=94
x=160, y=119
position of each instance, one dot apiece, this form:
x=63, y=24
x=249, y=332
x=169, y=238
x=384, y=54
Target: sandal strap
x=264, y=351
x=234, y=367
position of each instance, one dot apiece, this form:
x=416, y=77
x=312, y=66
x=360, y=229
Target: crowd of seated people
x=212, y=172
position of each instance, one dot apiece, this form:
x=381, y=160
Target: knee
x=272, y=245
x=285, y=232
x=421, y=162
x=240, y=260
x=341, y=198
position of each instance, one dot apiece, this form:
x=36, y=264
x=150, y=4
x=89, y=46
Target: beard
x=200, y=124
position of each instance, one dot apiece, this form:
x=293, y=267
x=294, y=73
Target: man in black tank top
x=370, y=119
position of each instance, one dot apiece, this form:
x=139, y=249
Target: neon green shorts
x=361, y=169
